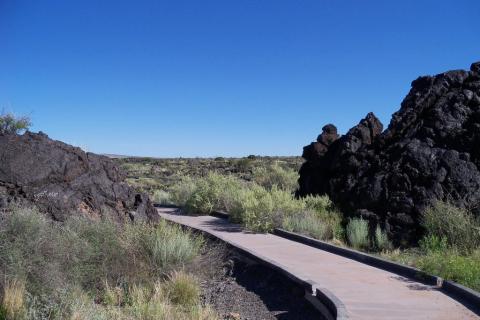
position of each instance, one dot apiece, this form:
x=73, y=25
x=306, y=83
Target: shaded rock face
x=430, y=150
x=63, y=180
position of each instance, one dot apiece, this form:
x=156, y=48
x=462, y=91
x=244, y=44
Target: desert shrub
x=357, y=233
x=327, y=213
x=28, y=245
x=309, y=224
x=261, y=210
x=161, y=197
x=54, y=270
x=275, y=175
x=97, y=250
x=182, y=190
x=318, y=203
x=451, y=265
x=11, y=124
x=433, y=243
x=168, y=246
x=213, y=192
x=182, y=289
x=244, y=164
x=460, y=229
x=381, y=239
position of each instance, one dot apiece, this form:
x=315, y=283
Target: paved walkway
x=367, y=292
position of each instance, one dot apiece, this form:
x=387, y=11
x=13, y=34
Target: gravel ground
x=240, y=290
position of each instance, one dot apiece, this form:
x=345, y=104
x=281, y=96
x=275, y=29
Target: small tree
x=11, y=124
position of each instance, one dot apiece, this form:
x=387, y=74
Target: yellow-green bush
x=275, y=175
x=213, y=192
x=259, y=208
x=182, y=190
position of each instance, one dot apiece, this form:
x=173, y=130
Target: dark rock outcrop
x=63, y=180
x=430, y=150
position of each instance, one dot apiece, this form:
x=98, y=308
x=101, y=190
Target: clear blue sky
x=231, y=78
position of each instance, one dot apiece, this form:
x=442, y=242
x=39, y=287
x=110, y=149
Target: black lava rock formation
x=430, y=151
x=62, y=180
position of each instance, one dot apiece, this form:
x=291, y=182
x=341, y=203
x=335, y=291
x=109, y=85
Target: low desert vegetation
x=265, y=200
x=258, y=207
x=81, y=269
x=149, y=174
x=276, y=176
x=450, y=247
x=357, y=233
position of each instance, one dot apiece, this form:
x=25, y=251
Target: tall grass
x=450, y=247
x=89, y=270
x=381, y=239
x=458, y=226
x=308, y=223
x=13, y=301
x=182, y=289
x=357, y=233
x=452, y=265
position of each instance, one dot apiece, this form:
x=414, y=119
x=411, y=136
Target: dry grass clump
x=13, y=300
x=95, y=270
x=182, y=289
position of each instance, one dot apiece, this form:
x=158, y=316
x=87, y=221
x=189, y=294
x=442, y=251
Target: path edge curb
x=335, y=307
x=466, y=296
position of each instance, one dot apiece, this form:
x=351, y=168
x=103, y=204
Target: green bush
x=262, y=210
x=456, y=225
x=259, y=208
x=161, y=197
x=381, y=239
x=275, y=175
x=11, y=124
x=357, y=233
x=182, y=190
x=432, y=243
x=213, y=192
x=451, y=265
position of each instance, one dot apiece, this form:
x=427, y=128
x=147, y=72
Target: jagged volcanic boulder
x=430, y=151
x=63, y=180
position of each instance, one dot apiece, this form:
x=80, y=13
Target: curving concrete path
x=367, y=292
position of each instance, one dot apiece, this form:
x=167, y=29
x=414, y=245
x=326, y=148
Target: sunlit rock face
x=430, y=150
x=63, y=180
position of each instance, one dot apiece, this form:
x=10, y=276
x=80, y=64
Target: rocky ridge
x=429, y=151
x=63, y=180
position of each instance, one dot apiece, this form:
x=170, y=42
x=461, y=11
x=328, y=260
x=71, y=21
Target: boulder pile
x=430, y=151
x=63, y=180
